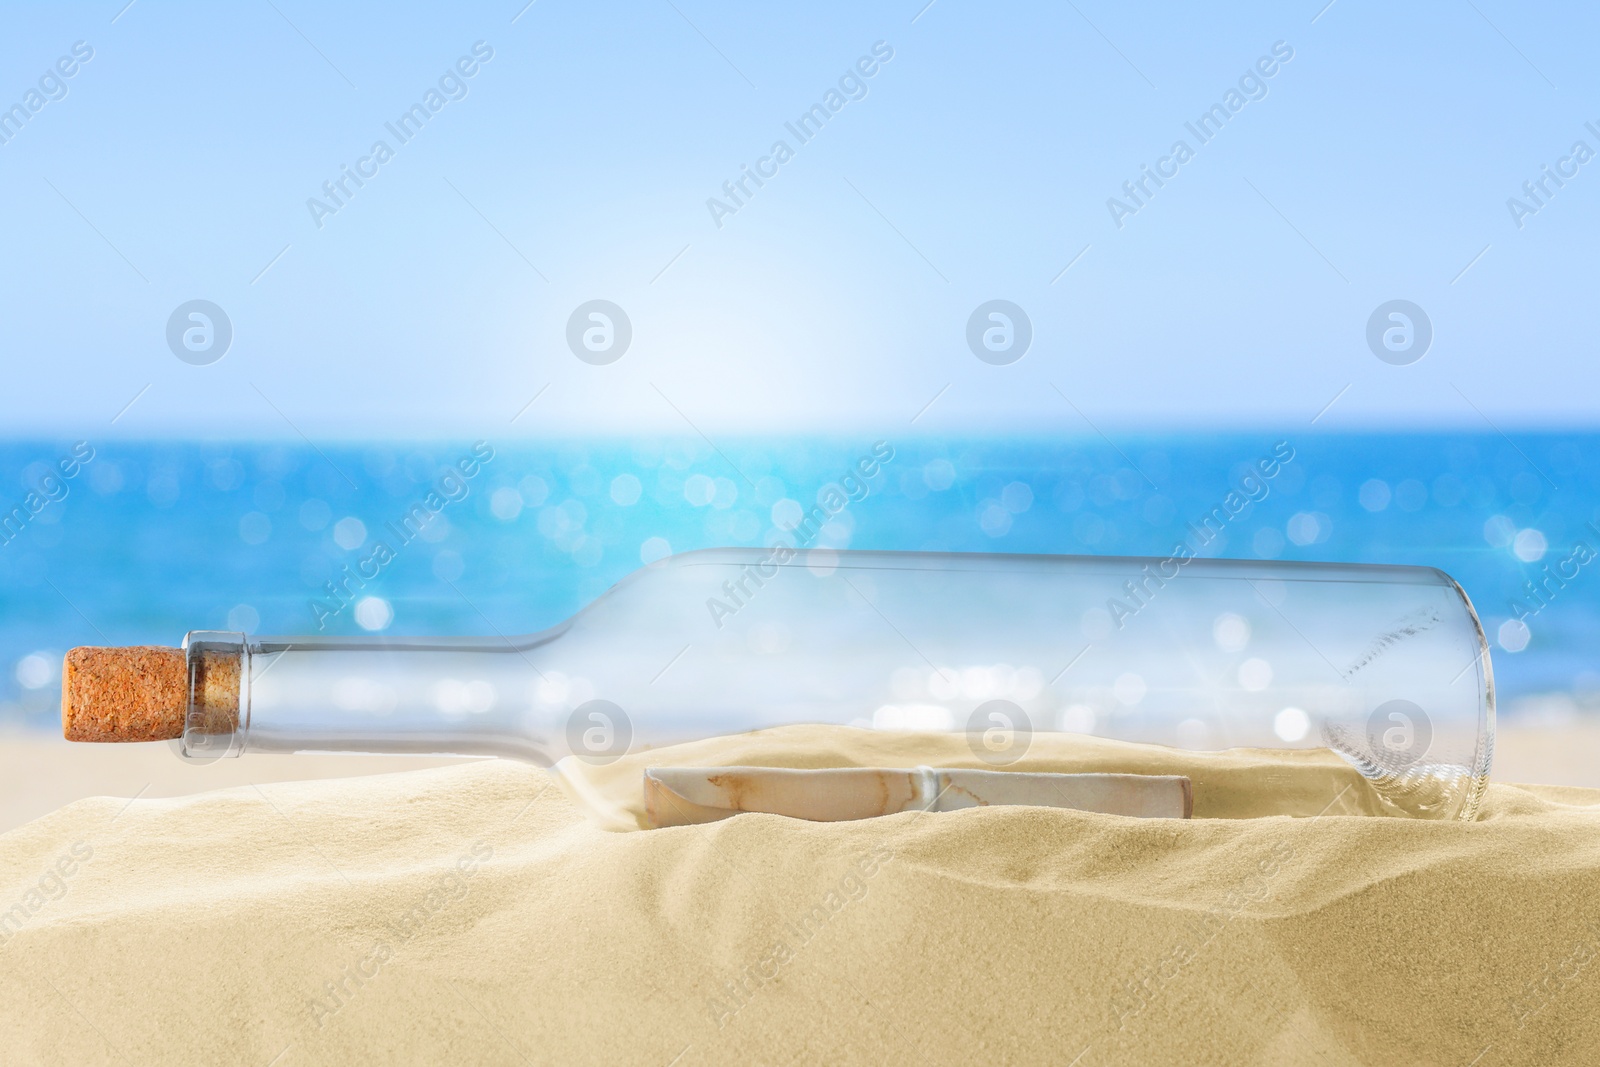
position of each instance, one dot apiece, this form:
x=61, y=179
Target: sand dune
x=478, y=913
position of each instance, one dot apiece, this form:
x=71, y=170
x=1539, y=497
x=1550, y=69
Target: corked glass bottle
x=1386, y=666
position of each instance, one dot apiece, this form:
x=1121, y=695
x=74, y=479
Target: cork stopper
x=142, y=693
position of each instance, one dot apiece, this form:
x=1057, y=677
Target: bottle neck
x=429, y=696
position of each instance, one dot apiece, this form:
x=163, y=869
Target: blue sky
x=977, y=166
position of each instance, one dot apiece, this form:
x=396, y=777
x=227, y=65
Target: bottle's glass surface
x=1385, y=665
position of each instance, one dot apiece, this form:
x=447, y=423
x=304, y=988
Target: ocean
x=106, y=542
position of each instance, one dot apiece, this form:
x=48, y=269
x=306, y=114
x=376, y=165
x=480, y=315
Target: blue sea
x=124, y=543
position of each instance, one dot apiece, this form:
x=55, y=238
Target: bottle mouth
x=217, y=722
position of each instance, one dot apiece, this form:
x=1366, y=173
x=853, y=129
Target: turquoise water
x=143, y=542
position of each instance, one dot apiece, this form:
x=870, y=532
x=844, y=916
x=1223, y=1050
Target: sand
x=490, y=913
x=40, y=772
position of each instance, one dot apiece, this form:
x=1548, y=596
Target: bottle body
x=1385, y=665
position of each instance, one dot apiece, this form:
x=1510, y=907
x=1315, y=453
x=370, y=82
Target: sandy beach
x=41, y=772
x=480, y=913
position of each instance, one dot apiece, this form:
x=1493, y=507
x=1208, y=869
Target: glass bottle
x=1386, y=666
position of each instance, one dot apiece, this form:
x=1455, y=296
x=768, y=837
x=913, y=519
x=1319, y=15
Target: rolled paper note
x=681, y=796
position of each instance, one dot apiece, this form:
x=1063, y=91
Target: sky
x=982, y=159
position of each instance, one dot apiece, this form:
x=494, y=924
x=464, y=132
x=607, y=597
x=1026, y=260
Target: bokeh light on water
x=151, y=540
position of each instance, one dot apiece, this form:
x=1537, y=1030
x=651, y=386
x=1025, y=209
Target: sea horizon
x=129, y=542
